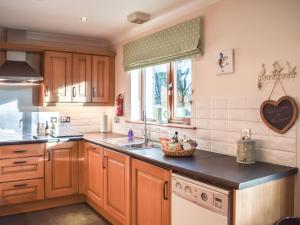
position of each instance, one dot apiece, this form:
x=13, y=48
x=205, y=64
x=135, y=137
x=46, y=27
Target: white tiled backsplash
x=83, y=119
x=219, y=121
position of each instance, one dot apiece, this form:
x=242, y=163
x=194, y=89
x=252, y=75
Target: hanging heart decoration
x=279, y=115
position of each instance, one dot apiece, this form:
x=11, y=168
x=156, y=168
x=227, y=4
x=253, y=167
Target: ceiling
x=106, y=18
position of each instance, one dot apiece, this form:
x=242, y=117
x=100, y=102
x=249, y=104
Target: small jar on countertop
x=246, y=151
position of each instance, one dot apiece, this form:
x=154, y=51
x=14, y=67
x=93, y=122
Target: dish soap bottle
x=130, y=135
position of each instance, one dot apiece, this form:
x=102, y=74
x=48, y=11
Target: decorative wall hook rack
x=276, y=74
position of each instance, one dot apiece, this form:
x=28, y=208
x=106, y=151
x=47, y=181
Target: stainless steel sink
x=136, y=146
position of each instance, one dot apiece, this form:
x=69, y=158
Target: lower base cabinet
x=21, y=191
x=61, y=169
x=95, y=174
x=109, y=182
x=150, y=194
x=21, y=174
x=126, y=191
x=117, y=186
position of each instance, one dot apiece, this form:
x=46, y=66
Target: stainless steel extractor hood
x=16, y=70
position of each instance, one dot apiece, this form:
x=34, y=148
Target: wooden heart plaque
x=279, y=115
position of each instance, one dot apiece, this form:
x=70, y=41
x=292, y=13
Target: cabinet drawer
x=16, y=151
x=21, y=191
x=93, y=147
x=21, y=168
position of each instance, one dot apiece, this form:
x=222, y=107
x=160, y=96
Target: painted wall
x=260, y=31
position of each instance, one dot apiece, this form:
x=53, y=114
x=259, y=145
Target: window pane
x=156, y=92
x=183, y=89
x=135, y=77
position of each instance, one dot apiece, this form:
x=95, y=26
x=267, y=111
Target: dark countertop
x=30, y=139
x=213, y=168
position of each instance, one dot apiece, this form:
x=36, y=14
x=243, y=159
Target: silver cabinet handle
x=20, y=162
x=104, y=162
x=94, y=92
x=49, y=155
x=74, y=92
x=165, y=190
x=19, y=151
x=46, y=91
x=20, y=185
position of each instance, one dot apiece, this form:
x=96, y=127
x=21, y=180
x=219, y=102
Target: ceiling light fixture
x=138, y=17
x=83, y=18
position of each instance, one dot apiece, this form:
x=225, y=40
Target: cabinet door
x=150, y=194
x=100, y=79
x=117, y=186
x=95, y=174
x=81, y=90
x=61, y=169
x=58, y=77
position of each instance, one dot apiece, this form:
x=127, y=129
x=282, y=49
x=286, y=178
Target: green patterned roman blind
x=174, y=43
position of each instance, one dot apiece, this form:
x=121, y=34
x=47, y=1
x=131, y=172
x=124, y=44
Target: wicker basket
x=178, y=152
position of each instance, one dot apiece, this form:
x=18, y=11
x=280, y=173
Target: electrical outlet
x=117, y=119
x=53, y=119
x=65, y=119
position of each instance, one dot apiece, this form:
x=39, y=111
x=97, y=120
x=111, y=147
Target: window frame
x=170, y=98
x=171, y=81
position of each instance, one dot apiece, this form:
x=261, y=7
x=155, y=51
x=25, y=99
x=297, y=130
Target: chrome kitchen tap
x=146, y=135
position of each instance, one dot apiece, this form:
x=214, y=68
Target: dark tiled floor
x=80, y=214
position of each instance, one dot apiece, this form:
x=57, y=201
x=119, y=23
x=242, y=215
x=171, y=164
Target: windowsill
x=174, y=125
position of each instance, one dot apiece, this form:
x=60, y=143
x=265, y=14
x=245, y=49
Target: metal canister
x=246, y=151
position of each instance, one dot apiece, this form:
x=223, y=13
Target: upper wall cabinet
x=58, y=77
x=100, y=79
x=78, y=78
x=81, y=90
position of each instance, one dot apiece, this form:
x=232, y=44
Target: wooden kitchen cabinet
x=81, y=74
x=21, y=173
x=264, y=204
x=21, y=168
x=109, y=182
x=117, y=185
x=57, y=77
x=78, y=78
x=61, y=169
x=150, y=194
x=21, y=191
x=102, y=80
x=95, y=174
x=18, y=151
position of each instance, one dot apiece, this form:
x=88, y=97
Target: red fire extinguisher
x=119, y=102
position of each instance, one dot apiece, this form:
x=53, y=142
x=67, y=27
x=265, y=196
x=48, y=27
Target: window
x=165, y=91
x=155, y=92
x=182, y=83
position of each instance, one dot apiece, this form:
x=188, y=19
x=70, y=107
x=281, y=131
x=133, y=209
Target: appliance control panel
x=207, y=196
